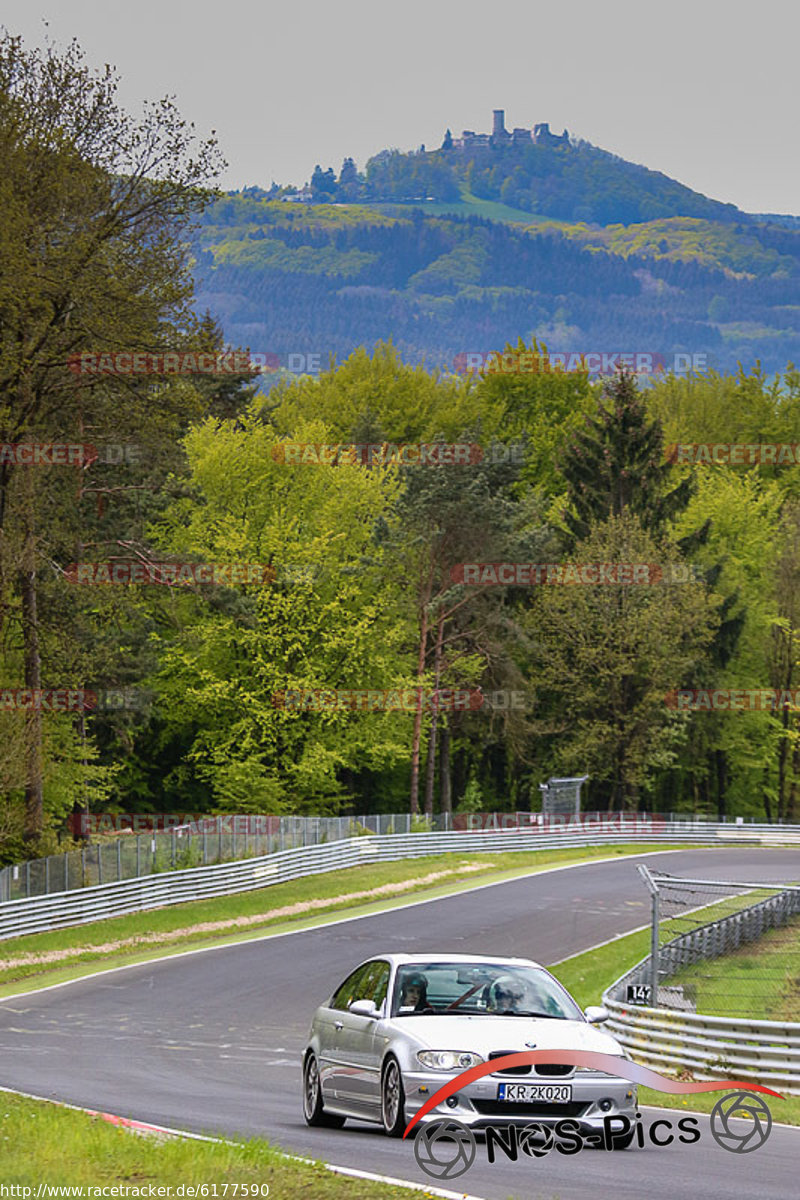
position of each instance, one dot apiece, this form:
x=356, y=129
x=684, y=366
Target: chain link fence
x=197, y=844
x=562, y=795
x=721, y=948
x=202, y=842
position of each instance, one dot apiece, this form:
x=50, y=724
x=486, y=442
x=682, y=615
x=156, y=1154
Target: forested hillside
x=294, y=278
x=571, y=181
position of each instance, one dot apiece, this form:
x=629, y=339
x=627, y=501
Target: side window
x=376, y=983
x=351, y=989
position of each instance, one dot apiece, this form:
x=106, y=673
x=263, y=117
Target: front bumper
x=595, y=1096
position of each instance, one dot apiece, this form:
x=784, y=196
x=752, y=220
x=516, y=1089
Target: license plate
x=547, y=1093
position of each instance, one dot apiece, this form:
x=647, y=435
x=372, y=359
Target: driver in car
x=414, y=994
x=506, y=995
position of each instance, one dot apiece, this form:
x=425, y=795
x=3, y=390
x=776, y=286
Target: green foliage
x=224, y=672
x=606, y=658
x=616, y=464
x=473, y=800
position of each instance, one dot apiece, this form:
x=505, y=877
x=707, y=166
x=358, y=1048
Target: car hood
x=486, y=1034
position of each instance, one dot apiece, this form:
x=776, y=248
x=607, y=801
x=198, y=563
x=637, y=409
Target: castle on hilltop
x=539, y=135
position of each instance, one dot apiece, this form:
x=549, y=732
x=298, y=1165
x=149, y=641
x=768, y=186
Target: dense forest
x=205, y=561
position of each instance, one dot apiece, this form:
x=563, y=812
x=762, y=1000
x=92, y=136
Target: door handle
x=338, y=1025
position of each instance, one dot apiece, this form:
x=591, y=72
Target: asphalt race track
x=211, y=1041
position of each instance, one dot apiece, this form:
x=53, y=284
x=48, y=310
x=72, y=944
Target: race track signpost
x=562, y=796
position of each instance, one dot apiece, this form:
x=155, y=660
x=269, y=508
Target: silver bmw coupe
x=400, y=1026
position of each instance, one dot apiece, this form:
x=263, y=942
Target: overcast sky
x=703, y=90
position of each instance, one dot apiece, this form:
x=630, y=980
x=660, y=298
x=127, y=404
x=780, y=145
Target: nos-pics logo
x=447, y=1149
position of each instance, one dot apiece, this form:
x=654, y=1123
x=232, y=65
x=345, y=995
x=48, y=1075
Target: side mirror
x=595, y=1014
x=366, y=1008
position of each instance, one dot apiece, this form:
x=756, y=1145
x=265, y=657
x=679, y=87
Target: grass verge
x=588, y=975
x=38, y=960
x=764, y=976
x=42, y=1143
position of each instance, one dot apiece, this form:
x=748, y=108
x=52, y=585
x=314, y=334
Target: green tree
x=607, y=656
x=731, y=760
x=520, y=397
x=615, y=464
x=94, y=256
x=329, y=620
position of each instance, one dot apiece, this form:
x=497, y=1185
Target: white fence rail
x=57, y=911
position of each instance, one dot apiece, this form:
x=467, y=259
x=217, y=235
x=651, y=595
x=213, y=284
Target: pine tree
x=617, y=463
x=447, y=144
x=616, y=466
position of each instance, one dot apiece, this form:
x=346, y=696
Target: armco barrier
x=767, y=1052
x=710, y=1047
x=78, y=907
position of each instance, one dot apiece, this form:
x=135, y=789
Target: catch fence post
x=655, y=916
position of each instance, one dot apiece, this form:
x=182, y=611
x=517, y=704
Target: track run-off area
x=210, y=1040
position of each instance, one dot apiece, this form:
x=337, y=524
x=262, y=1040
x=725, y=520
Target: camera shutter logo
x=729, y=1138
x=536, y=1139
x=445, y=1149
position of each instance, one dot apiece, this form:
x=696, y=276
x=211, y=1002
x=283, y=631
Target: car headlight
x=448, y=1060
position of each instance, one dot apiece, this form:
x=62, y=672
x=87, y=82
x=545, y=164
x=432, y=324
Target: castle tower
x=499, y=123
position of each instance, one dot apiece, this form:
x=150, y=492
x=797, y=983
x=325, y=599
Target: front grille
x=526, y=1070
x=501, y=1108
x=554, y=1069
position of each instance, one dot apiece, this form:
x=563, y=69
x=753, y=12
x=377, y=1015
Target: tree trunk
x=34, y=802
x=792, y=806
x=445, y=778
x=417, y=735
x=767, y=805
x=722, y=783
x=437, y=674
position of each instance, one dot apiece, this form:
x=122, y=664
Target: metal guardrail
x=184, y=844
x=202, y=841
x=39, y=913
x=710, y=1047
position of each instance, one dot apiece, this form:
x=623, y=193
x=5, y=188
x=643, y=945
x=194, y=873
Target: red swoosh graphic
x=610, y=1063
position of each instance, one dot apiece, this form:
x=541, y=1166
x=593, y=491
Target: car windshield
x=488, y=989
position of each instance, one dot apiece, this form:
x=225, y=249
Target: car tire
x=313, y=1109
x=622, y=1143
x=393, y=1099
